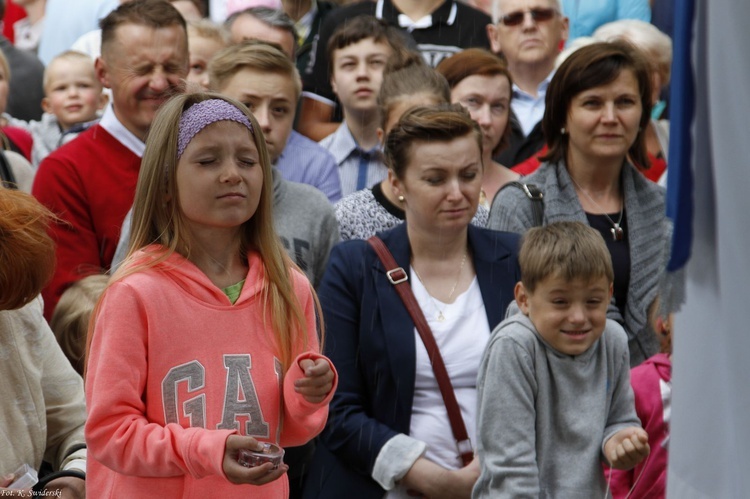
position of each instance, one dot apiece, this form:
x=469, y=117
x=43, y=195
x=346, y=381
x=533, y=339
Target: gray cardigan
x=648, y=237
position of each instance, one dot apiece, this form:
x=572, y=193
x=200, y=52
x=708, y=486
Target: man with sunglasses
x=529, y=34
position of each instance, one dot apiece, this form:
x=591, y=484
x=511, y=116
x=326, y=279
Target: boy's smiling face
x=569, y=315
x=358, y=73
x=72, y=92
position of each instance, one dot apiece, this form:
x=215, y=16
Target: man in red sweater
x=90, y=182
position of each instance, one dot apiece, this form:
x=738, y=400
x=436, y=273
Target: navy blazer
x=370, y=339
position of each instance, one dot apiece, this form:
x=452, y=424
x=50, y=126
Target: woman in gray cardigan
x=597, y=105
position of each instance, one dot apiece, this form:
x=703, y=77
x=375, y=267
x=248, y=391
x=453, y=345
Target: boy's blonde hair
x=252, y=54
x=157, y=219
x=70, y=322
x=69, y=55
x=569, y=250
x=206, y=28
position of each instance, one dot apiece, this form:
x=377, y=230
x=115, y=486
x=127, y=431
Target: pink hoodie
x=174, y=369
x=652, y=386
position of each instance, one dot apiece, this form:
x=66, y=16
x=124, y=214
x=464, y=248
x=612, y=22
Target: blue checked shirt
x=358, y=169
x=304, y=161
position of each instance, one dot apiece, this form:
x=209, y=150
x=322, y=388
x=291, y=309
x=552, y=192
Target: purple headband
x=199, y=116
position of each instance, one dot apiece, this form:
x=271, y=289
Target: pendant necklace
x=440, y=316
x=618, y=233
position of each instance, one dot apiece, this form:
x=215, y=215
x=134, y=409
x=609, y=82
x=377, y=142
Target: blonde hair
x=252, y=54
x=206, y=28
x=569, y=250
x=657, y=46
x=157, y=219
x=69, y=55
x=70, y=321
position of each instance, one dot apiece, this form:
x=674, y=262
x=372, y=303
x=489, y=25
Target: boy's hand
x=318, y=380
x=627, y=448
x=236, y=473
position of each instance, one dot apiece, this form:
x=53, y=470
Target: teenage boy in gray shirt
x=554, y=395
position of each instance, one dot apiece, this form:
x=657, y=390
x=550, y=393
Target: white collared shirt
x=529, y=109
x=115, y=128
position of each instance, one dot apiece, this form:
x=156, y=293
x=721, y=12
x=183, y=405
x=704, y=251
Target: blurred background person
x=42, y=417
x=481, y=83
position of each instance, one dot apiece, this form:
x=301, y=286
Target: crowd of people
x=422, y=244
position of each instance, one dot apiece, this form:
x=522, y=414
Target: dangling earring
x=562, y=131
x=401, y=198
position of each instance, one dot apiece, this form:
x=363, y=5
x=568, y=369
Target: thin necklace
x=440, y=316
x=618, y=233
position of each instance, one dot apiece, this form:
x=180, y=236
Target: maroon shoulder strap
x=399, y=278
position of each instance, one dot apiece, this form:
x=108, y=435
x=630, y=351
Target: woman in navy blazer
x=367, y=449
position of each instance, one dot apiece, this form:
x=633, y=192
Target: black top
x=520, y=147
x=377, y=192
x=25, y=91
x=455, y=27
x=620, y=252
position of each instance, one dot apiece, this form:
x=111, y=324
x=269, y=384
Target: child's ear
x=46, y=107
x=522, y=297
x=611, y=290
x=103, y=101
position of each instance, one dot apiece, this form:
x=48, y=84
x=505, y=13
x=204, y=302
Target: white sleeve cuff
x=395, y=459
x=76, y=464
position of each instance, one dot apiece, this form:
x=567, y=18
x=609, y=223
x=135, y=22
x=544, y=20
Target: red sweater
x=174, y=368
x=90, y=184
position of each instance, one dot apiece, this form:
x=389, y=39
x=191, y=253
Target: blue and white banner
x=710, y=178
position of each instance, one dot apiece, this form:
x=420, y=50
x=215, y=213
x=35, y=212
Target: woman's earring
x=562, y=131
x=401, y=198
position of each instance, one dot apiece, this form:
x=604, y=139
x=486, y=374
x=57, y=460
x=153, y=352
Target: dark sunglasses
x=538, y=15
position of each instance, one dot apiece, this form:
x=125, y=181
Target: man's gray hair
x=272, y=17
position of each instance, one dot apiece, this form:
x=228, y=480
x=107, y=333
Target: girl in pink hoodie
x=652, y=386
x=205, y=342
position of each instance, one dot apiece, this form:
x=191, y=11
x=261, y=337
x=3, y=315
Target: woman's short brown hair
x=588, y=67
x=27, y=253
x=477, y=62
x=441, y=123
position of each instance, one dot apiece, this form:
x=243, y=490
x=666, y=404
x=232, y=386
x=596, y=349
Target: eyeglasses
x=538, y=15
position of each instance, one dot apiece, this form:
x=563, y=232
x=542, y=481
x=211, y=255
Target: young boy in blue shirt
x=554, y=394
